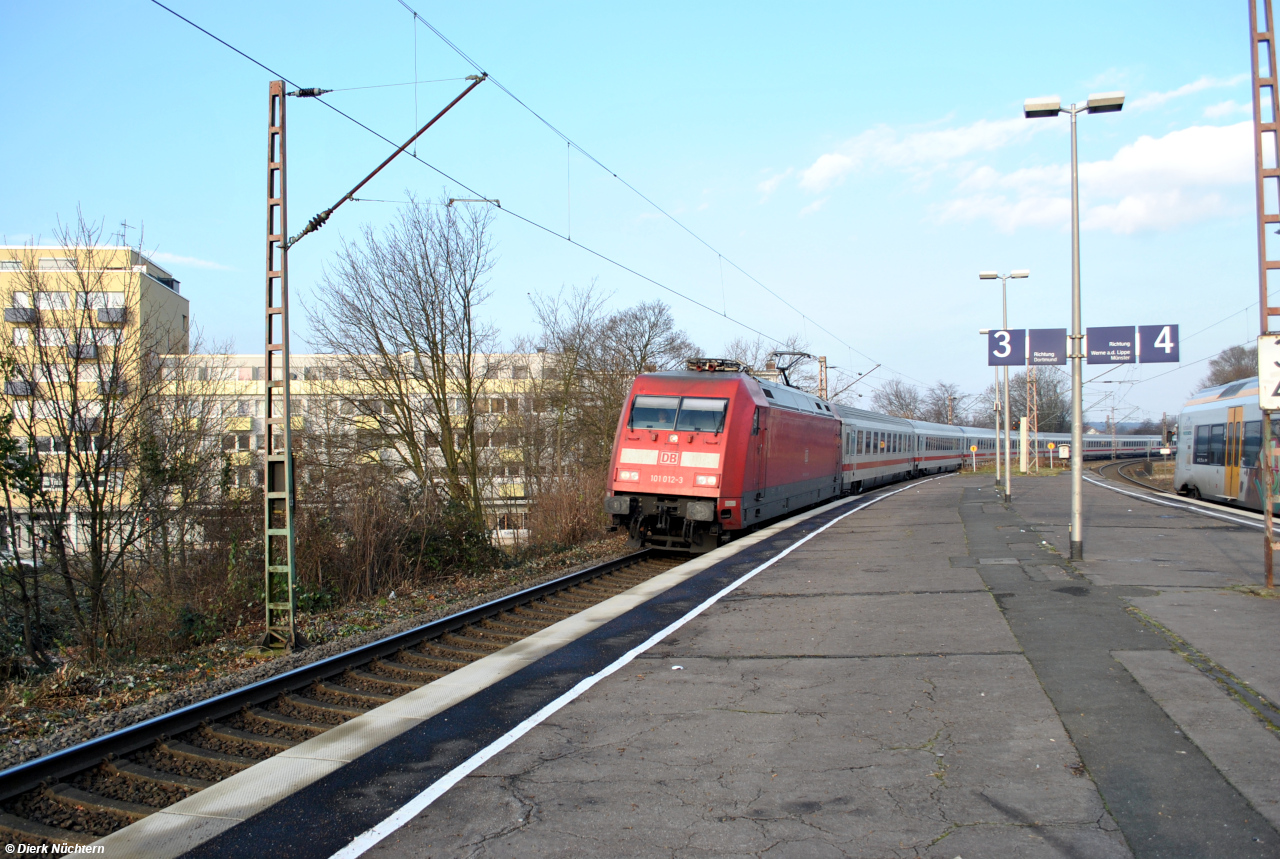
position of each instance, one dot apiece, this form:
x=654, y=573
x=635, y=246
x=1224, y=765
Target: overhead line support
x=1266, y=130
x=319, y=220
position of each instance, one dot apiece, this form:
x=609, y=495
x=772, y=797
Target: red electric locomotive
x=702, y=453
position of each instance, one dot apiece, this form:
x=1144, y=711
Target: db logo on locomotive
x=669, y=457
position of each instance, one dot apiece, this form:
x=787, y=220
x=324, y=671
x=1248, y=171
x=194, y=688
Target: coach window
x=654, y=413
x=1252, y=444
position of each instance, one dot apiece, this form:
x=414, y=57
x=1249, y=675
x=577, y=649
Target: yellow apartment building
x=78, y=325
x=85, y=318
x=321, y=397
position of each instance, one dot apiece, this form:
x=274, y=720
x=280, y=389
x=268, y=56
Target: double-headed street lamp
x=1004, y=324
x=1033, y=108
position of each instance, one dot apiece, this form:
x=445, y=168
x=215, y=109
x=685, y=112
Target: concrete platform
x=925, y=677
x=862, y=697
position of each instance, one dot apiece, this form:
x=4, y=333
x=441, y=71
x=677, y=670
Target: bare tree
x=399, y=312
x=944, y=403
x=182, y=452
x=898, y=398
x=755, y=354
x=1053, y=400
x=1231, y=365
x=85, y=384
x=592, y=358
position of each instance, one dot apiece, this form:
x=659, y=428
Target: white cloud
x=1156, y=99
x=1152, y=183
x=194, y=262
x=917, y=151
x=1226, y=108
x=814, y=206
x=768, y=186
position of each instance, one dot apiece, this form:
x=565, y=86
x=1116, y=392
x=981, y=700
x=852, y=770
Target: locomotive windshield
x=654, y=412
x=690, y=414
x=701, y=415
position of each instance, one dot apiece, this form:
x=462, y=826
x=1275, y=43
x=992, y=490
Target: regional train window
x=1218, y=444
x=701, y=415
x=1252, y=444
x=1202, y=445
x=655, y=412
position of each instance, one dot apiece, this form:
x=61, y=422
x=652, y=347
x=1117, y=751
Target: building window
x=101, y=300
x=184, y=324
x=53, y=300
x=57, y=264
x=10, y=265
x=237, y=442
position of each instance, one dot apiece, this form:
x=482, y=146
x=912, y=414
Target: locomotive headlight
x=705, y=480
x=630, y=476
x=673, y=438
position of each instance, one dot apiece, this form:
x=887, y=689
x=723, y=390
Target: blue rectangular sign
x=1007, y=348
x=1048, y=346
x=1112, y=345
x=1158, y=344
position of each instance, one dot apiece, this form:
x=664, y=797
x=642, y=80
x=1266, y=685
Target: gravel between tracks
x=81, y=731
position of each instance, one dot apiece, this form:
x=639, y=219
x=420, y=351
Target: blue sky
x=864, y=160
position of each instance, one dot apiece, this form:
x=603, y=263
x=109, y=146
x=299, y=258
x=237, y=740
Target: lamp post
x=1033, y=108
x=995, y=409
x=1004, y=323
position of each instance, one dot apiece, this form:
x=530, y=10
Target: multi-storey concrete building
x=79, y=326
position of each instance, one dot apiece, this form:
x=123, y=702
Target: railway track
x=1122, y=469
x=80, y=794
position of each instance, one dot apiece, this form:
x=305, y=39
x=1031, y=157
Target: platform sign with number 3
x=1006, y=348
x=1269, y=372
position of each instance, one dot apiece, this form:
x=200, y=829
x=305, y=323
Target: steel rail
x=31, y=774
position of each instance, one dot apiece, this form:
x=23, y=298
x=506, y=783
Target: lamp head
x=1106, y=102
x=1020, y=272
x=988, y=275
x=1045, y=105
x=984, y=330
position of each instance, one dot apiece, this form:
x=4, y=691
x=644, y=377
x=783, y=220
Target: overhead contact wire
x=460, y=183
x=628, y=185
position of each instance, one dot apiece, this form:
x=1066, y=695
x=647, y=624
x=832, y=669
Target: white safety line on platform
x=1180, y=505
x=370, y=837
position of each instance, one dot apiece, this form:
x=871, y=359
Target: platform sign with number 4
x=1158, y=344
x=1269, y=372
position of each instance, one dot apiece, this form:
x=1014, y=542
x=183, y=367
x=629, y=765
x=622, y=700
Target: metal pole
x=1008, y=438
x=277, y=483
x=996, y=409
x=1262, y=38
x=1077, y=368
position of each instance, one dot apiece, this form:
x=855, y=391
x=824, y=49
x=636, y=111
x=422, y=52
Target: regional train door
x=1235, y=438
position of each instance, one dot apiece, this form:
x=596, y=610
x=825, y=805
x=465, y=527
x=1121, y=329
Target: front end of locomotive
x=672, y=452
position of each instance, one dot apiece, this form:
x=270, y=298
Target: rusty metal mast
x=277, y=479
x=1266, y=111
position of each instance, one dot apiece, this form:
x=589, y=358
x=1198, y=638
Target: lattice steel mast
x=1266, y=109
x=277, y=480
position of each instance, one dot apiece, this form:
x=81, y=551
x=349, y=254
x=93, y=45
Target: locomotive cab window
x=701, y=415
x=654, y=413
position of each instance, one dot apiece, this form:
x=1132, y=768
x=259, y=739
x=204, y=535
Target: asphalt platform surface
x=926, y=677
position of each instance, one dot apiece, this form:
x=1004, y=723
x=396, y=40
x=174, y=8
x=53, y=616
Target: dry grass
x=76, y=690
